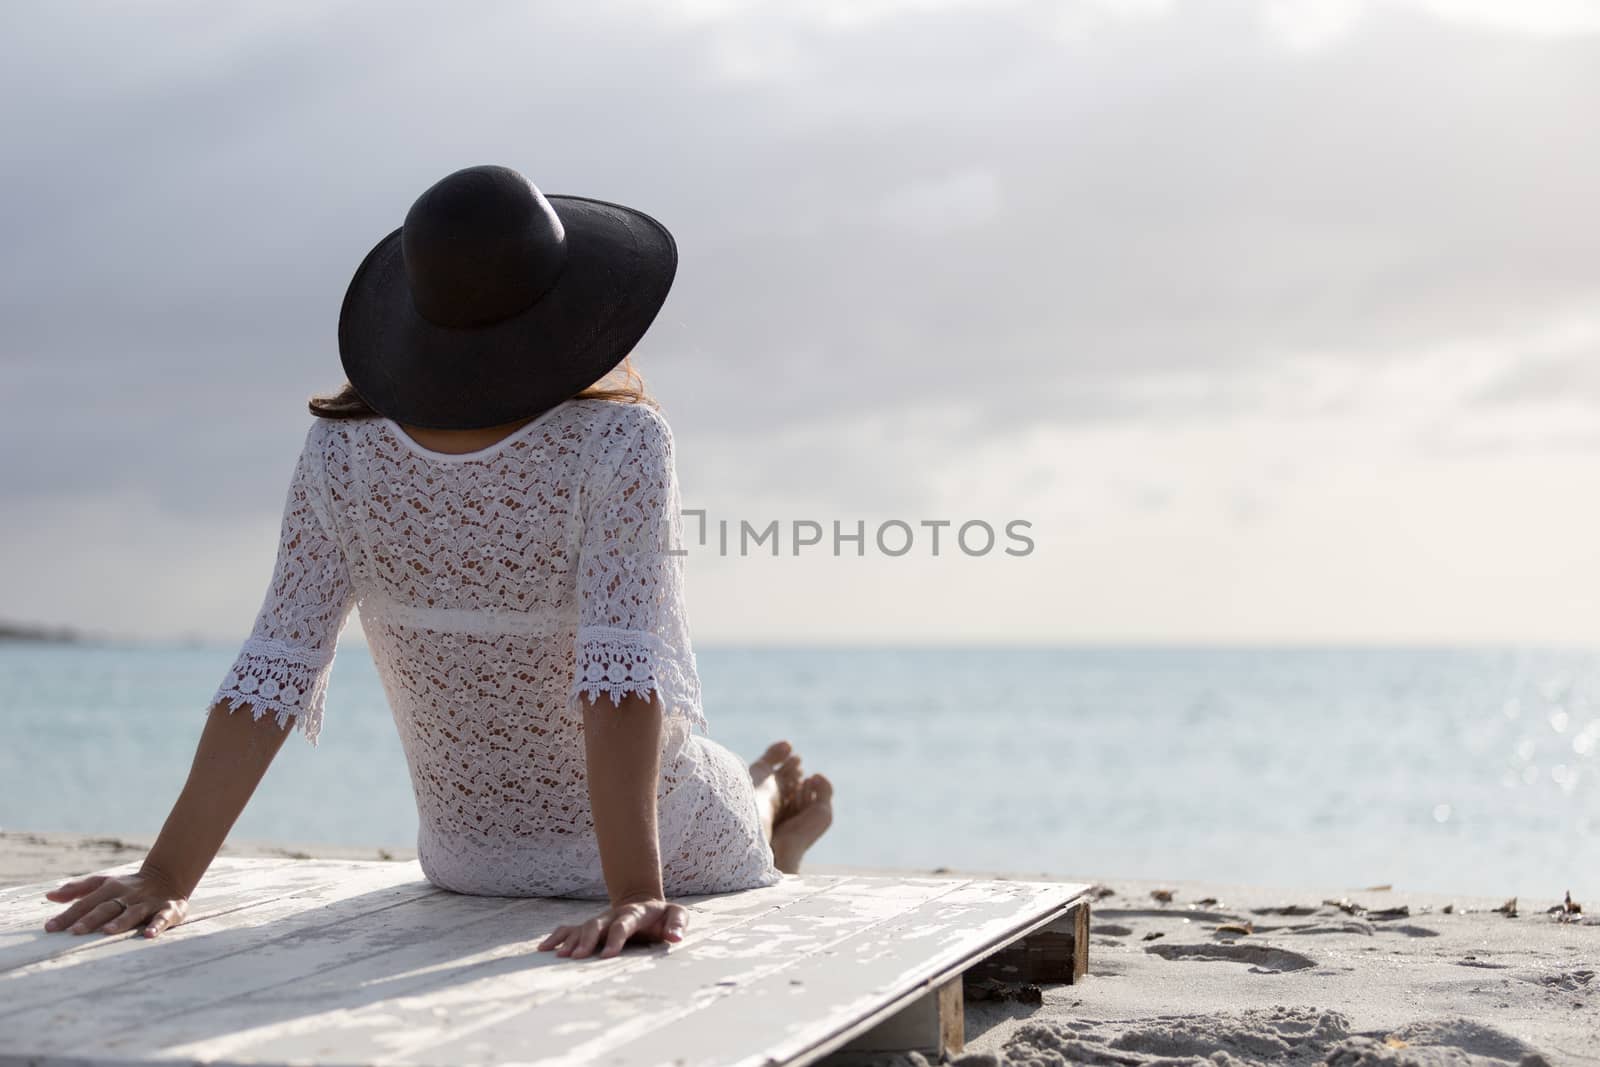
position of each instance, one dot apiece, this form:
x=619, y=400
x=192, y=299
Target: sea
x=1471, y=771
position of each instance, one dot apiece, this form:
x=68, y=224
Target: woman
x=498, y=495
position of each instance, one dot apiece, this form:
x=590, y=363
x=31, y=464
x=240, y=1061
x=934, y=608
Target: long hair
x=623, y=383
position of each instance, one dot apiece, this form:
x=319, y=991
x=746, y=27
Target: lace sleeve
x=633, y=632
x=284, y=664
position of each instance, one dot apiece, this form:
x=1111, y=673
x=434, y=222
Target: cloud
x=911, y=233
x=958, y=201
x=1561, y=367
x=1556, y=17
x=1310, y=24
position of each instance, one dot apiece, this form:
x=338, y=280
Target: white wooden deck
x=329, y=962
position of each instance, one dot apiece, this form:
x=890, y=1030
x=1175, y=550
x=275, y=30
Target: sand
x=1388, y=978
x=1344, y=976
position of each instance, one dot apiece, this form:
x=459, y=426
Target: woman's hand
x=100, y=901
x=643, y=920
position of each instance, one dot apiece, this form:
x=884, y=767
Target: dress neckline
x=396, y=431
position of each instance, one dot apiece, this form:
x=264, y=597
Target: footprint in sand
x=1263, y=959
x=1254, y=1036
x=1280, y=1034
x=1412, y=931
x=1110, y=930
x=1567, y=981
x=1466, y=1039
x=1170, y=913
x=1346, y=926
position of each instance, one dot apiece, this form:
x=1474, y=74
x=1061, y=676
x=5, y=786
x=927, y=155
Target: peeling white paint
x=324, y=962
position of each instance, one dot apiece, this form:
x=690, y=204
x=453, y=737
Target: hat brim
x=619, y=266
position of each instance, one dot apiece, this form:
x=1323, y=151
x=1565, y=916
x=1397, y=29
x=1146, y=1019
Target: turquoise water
x=1469, y=771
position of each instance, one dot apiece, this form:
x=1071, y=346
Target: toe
x=789, y=778
x=818, y=789
x=776, y=753
x=804, y=824
x=769, y=761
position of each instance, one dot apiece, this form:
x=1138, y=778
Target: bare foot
x=775, y=781
x=800, y=824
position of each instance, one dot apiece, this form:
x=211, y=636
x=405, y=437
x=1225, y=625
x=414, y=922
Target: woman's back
x=495, y=586
x=523, y=601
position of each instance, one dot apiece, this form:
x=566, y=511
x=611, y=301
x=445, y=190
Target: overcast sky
x=1279, y=322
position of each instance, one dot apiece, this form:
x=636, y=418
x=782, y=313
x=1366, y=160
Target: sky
x=1270, y=322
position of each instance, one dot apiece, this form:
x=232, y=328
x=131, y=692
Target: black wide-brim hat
x=494, y=303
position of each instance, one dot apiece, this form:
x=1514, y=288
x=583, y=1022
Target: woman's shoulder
x=328, y=438
x=623, y=421
x=623, y=436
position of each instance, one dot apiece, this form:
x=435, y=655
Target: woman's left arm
x=623, y=747
x=280, y=674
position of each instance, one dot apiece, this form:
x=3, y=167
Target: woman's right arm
x=280, y=675
x=234, y=752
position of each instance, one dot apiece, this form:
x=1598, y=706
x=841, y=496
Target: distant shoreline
x=354, y=638
x=21, y=631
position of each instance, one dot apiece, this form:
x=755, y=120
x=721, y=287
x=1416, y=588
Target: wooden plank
x=284, y=908
x=658, y=1012
x=819, y=1000
x=142, y=1020
x=27, y=909
x=1055, y=953
x=389, y=970
x=934, y=1024
x=1078, y=916
x=952, y=1013
x=13, y=895
x=24, y=940
x=464, y=1015
x=376, y=982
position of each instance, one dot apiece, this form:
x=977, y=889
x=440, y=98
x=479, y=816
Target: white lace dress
x=495, y=588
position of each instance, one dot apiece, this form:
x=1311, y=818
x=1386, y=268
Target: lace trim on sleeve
x=617, y=663
x=274, y=677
